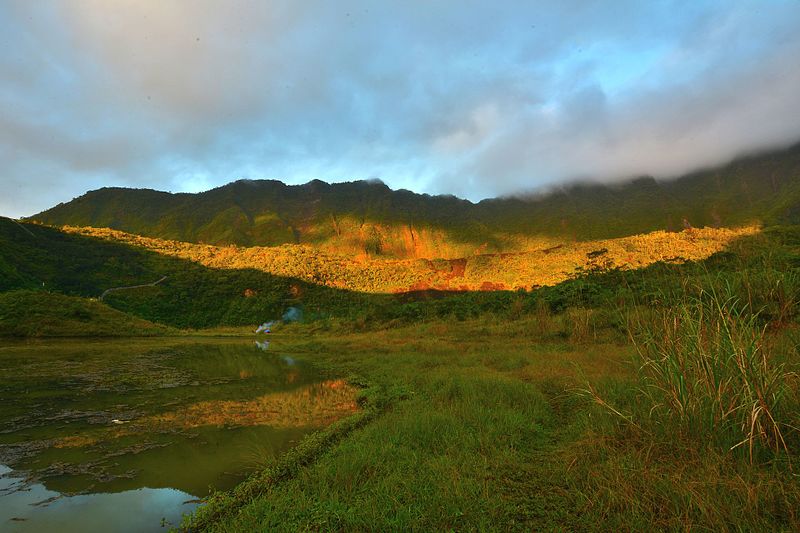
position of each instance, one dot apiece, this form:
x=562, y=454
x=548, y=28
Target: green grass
x=497, y=432
x=709, y=369
x=220, y=506
x=492, y=436
x=26, y=313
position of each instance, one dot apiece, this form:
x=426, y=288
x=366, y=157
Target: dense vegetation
x=45, y=259
x=522, y=270
x=368, y=218
x=36, y=257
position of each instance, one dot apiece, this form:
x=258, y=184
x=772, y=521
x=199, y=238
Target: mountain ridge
x=368, y=218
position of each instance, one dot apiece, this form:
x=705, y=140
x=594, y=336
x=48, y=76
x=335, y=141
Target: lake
x=128, y=435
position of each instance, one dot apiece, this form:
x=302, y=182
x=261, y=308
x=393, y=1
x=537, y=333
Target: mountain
x=367, y=217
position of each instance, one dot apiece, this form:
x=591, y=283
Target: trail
x=131, y=287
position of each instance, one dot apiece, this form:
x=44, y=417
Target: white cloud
x=469, y=98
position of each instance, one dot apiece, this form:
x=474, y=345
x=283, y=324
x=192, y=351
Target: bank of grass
x=26, y=313
x=493, y=435
x=221, y=506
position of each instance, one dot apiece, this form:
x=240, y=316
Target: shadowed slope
x=192, y=295
x=48, y=314
x=216, y=289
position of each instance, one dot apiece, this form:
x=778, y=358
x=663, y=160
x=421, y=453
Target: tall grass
x=709, y=372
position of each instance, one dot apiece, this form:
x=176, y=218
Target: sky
x=475, y=99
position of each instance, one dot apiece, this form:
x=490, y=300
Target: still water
x=129, y=435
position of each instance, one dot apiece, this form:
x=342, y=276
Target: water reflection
x=31, y=507
x=262, y=345
x=314, y=405
x=107, y=426
x=310, y=406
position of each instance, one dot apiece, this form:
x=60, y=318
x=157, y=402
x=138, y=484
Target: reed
x=708, y=370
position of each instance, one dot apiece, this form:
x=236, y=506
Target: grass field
x=670, y=405
x=26, y=313
x=496, y=431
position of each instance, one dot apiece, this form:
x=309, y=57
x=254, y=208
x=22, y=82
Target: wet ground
x=129, y=435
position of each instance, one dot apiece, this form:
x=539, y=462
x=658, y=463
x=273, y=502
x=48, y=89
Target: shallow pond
x=128, y=435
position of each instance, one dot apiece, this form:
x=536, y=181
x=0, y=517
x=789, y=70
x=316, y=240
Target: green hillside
x=367, y=217
x=37, y=259
x=196, y=295
x=45, y=259
x=27, y=313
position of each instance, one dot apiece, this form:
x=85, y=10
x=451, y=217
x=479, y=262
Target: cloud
x=469, y=98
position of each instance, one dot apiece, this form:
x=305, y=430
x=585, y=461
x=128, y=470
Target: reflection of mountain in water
x=190, y=414
x=30, y=507
x=314, y=405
